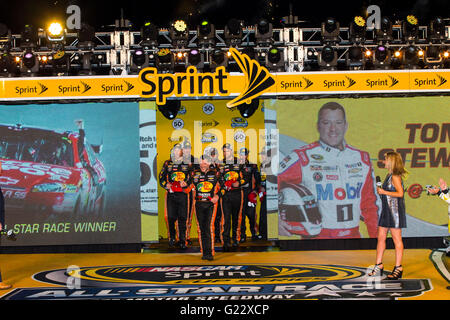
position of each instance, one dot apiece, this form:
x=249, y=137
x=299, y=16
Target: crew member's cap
x=176, y=146
x=227, y=146
x=243, y=151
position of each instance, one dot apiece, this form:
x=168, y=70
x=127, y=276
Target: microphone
x=378, y=181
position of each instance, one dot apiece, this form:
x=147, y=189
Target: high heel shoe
x=376, y=271
x=396, y=273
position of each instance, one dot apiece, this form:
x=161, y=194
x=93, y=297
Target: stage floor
x=249, y=274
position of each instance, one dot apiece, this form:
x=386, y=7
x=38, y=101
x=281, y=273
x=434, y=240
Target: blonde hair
x=397, y=163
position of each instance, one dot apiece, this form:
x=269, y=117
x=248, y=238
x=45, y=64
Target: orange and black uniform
x=206, y=185
x=177, y=199
x=250, y=173
x=231, y=201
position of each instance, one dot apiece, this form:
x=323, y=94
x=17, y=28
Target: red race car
x=50, y=174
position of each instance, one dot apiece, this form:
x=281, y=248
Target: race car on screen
x=48, y=174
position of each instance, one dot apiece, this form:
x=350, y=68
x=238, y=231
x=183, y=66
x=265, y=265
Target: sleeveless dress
x=393, y=213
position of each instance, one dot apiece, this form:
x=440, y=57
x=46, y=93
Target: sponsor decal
x=328, y=193
x=332, y=177
x=238, y=122
x=217, y=282
x=208, y=138
x=317, y=176
x=317, y=157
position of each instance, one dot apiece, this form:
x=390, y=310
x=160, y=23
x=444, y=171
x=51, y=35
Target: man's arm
x=163, y=182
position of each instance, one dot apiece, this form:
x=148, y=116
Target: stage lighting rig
x=7, y=65
x=29, y=37
x=195, y=58
x=436, y=30
x=357, y=30
x=139, y=61
x=328, y=58
x=410, y=29
x=149, y=35
x=248, y=109
x=206, y=34
x=170, y=109
x=164, y=60
x=384, y=34
x=86, y=37
x=29, y=64
x=5, y=37
x=381, y=57
x=233, y=33
x=179, y=33
x=55, y=33
x=355, y=58
x=218, y=59
x=263, y=33
x=330, y=31
x=275, y=59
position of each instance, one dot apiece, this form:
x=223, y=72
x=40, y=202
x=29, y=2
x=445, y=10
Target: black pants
x=250, y=213
x=263, y=219
x=176, y=213
x=231, y=216
x=217, y=221
x=205, y=213
x=189, y=214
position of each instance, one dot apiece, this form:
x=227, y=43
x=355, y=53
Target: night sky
x=101, y=13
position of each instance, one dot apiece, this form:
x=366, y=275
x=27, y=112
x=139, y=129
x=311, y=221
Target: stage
x=254, y=272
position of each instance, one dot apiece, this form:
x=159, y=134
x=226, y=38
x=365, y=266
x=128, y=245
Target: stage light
x=164, y=60
x=410, y=28
x=275, y=60
x=330, y=31
x=446, y=54
x=420, y=53
x=7, y=65
x=357, y=30
x=206, y=33
x=381, y=57
x=170, y=109
x=385, y=31
x=233, y=32
x=247, y=110
x=397, y=54
x=5, y=37
x=179, y=33
x=354, y=57
x=149, y=35
x=86, y=36
x=263, y=33
x=436, y=31
x=60, y=63
x=139, y=61
x=411, y=57
x=55, y=32
x=328, y=58
x=218, y=59
x=195, y=58
x=29, y=37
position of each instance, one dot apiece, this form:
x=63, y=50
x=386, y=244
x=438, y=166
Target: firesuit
x=342, y=183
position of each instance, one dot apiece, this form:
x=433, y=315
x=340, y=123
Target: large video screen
x=70, y=173
x=327, y=174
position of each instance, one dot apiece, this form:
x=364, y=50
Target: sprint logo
x=258, y=79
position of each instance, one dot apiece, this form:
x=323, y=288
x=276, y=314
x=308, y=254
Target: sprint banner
x=253, y=81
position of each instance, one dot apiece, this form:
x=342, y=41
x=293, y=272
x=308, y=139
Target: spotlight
x=354, y=58
x=164, y=60
x=330, y=31
x=263, y=33
x=381, y=56
x=233, y=32
x=328, y=58
x=275, y=60
x=139, y=61
x=170, y=109
x=179, y=33
x=55, y=32
x=29, y=37
x=149, y=35
x=385, y=31
x=7, y=65
x=206, y=33
x=410, y=28
x=195, y=58
x=357, y=30
x=411, y=56
x=86, y=36
x=247, y=110
x=436, y=31
x=30, y=64
x=5, y=37
x=60, y=63
x=218, y=59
